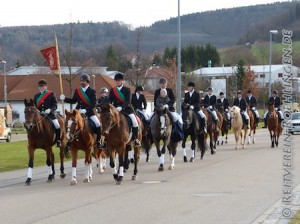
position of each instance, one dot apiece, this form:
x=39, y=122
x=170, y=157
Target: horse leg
x=193, y=146
x=243, y=139
x=30, y=164
x=101, y=162
x=136, y=160
x=121, y=166
x=88, y=163
x=62, y=155
x=49, y=163
x=183, y=148
x=172, y=157
x=113, y=166
x=202, y=145
x=249, y=138
x=272, y=139
x=162, y=158
x=74, y=153
x=253, y=137
x=236, y=136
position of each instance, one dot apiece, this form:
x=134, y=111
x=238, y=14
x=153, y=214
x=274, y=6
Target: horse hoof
x=87, y=180
x=28, y=181
x=147, y=160
x=161, y=167
x=226, y=141
x=213, y=152
x=185, y=159
x=115, y=176
x=191, y=159
x=101, y=171
x=171, y=167
x=134, y=177
x=202, y=157
x=218, y=143
x=132, y=160
x=62, y=175
x=118, y=182
x=73, y=182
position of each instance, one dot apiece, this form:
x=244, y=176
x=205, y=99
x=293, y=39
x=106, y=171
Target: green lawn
x=296, y=218
x=14, y=155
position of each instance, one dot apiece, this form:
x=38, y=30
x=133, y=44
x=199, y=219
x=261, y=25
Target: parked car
x=295, y=123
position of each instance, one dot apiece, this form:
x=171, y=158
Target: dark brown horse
x=41, y=135
x=161, y=129
x=273, y=125
x=117, y=133
x=192, y=128
x=80, y=137
x=212, y=132
x=225, y=125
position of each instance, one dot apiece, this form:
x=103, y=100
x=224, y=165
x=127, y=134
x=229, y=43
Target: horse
x=239, y=129
x=116, y=130
x=146, y=142
x=161, y=129
x=273, y=125
x=211, y=126
x=225, y=124
x=252, y=125
x=40, y=134
x=191, y=127
x=80, y=137
x=100, y=156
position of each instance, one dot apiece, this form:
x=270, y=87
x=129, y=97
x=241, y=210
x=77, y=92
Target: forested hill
x=221, y=28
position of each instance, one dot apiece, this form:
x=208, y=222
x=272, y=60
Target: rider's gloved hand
x=253, y=108
x=82, y=111
x=47, y=111
x=166, y=106
x=119, y=108
x=226, y=110
x=210, y=107
x=62, y=97
x=192, y=107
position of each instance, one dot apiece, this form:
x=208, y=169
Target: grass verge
x=296, y=218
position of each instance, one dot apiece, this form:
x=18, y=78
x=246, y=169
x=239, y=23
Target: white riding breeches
x=176, y=117
x=56, y=124
x=95, y=120
x=265, y=115
x=256, y=113
x=133, y=119
x=214, y=113
x=146, y=116
x=246, y=115
x=202, y=115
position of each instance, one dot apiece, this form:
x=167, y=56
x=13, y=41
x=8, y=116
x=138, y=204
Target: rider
x=274, y=99
x=163, y=85
x=85, y=97
x=222, y=101
x=241, y=103
x=210, y=101
x=192, y=98
x=120, y=98
x=252, y=103
x=139, y=102
x=103, y=95
x=45, y=101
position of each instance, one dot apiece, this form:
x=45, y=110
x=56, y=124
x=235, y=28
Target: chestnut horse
x=40, y=134
x=252, y=125
x=240, y=130
x=80, y=137
x=213, y=135
x=191, y=127
x=273, y=125
x=117, y=133
x=161, y=129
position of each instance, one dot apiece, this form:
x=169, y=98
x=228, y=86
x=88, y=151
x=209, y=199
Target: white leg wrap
x=90, y=171
x=29, y=172
x=121, y=171
x=50, y=172
x=56, y=124
x=133, y=119
x=74, y=172
x=193, y=154
x=162, y=159
x=183, y=152
x=95, y=120
x=87, y=171
x=130, y=155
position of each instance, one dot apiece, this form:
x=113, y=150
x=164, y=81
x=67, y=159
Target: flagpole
x=59, y=73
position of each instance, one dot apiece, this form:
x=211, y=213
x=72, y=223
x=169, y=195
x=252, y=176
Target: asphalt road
x=230, y=187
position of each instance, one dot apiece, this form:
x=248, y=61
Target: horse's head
x=271, y=106
x=234, y=111
x=30, y=112
x=74, y=124
x=108, y=116
x=187, y=116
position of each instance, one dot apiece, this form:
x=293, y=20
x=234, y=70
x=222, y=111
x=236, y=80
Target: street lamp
x=179, y=63
x=270, y=72
x=5, y=86
x=94, y=84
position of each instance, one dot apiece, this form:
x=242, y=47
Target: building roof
x=20, y=87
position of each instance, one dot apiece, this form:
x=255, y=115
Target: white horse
x=239, y=131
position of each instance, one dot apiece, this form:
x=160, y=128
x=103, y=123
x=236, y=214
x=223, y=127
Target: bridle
x=29, y=125
x=70, y=122
x=111, y=122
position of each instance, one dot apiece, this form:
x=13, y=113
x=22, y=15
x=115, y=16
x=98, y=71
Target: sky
x=132, y=12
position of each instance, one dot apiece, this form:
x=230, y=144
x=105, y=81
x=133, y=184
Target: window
x=262, y=76
x=280, y=75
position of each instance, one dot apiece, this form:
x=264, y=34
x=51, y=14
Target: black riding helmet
x=139, y=88
x=119, y=76
x=85, y=77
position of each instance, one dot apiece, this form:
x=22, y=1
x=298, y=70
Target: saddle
x=129, y=121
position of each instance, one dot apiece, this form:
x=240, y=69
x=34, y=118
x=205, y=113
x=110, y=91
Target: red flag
x=51, y=57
